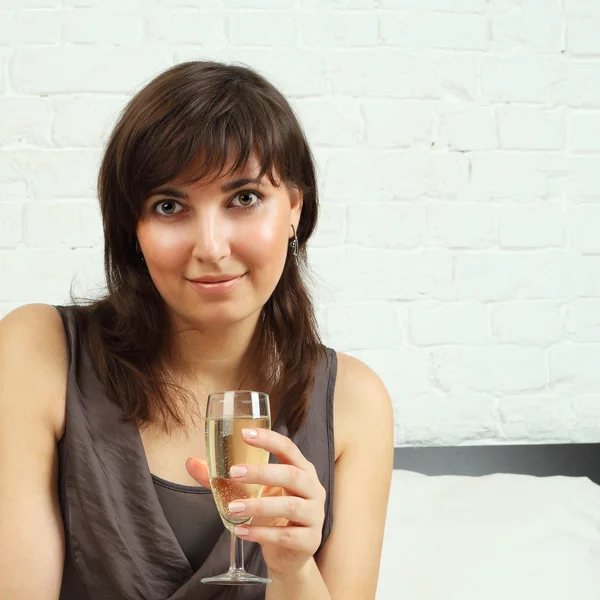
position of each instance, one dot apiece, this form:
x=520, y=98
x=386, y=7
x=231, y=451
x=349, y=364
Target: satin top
x=130, y=535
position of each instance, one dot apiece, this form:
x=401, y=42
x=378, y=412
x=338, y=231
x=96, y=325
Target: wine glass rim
x=238, y=392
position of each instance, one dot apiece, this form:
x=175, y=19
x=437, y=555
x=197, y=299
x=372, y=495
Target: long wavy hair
x=221, y=112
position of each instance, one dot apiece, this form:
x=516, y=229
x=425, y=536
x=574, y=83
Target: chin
x=216, y=316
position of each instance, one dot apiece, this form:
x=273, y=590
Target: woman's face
x=195, y=234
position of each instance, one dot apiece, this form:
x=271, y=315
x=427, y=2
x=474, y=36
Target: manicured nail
x=237, y=507
x=241, y=530
x=249, y=433
x=238, y=471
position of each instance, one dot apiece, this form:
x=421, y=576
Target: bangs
x=197, y=134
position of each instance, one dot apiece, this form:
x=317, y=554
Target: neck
x=215, y=357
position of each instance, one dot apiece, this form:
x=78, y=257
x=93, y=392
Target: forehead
x=249, y=170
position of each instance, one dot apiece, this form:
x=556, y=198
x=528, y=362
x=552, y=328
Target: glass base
x=235, y=577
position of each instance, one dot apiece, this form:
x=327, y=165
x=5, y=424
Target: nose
x=212, y=239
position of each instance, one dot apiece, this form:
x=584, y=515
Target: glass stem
x=236, y=554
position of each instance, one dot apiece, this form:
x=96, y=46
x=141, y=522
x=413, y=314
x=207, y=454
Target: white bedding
x=498, y=537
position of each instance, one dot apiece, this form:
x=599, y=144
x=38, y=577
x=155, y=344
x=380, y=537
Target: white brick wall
x=458, y=146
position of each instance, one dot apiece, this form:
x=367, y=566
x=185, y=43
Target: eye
x=246, y=199
x=166, y=208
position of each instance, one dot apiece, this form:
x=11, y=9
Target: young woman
x=208, y=197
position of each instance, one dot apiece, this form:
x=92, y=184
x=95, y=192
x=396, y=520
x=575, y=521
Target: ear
x=296, y=199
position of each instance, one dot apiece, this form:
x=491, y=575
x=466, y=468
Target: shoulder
x=33, y=352
x=362, y=405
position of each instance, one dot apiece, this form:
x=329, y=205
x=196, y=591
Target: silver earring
x=294, y=243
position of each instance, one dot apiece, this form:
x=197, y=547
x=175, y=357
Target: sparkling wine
x=225, y=448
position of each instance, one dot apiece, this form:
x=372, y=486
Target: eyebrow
x=226, y=187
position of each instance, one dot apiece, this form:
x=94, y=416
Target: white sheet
x=498, y=537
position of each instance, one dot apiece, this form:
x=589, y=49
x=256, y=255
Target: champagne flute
x=227, y=413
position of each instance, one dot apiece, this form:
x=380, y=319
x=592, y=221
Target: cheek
x=165, y=248
x=265, y=244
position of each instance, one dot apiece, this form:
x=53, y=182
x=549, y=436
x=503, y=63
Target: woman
x=208, y=198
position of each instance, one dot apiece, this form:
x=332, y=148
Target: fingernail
x=237, y=507
x=238, y=471
x=241, y=530
x=249, y=433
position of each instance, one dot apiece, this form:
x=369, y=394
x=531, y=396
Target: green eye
x=167, y=207
x=246, y=199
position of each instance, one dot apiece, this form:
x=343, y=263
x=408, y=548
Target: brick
x=533, y=176
x=104, y=4
x=26, y=121
x=422, y=174
x=74, y=224
x=525, y=276
x=49, y=275
x=426, y=274
x=274, y=4
x=103, y=27
x=491, y=369
x=584, y=228
x=583, y=181
x=531, y=128
x=364, y=326
x=30, y=27
x=433, y=30
x=538, y=226
x=467, y=128
x=340, y=29
x=504, y=6
x=394, y=124
x=176, y=28
x=247, y=29
x=90, y=69
x=331, y=225
x=335, y=4
x=584, y=131
x=582, y=8
x=583, y=36
x=448, y=419
x=587, y=417
x=519, y=79
x=10, y=225
x=21, y=4
x=574, y=369
x=527, y=31
x=527, y=323
x=435, y=323
x=402, y=75
x=406, y=372
x=50, y=174
x=582, y=320
x=331, y=121
x=5, y=54
x=85, y=121
x=536, y=417
x=579, y=85
x=459, y=226
x=474, y=6
x=385, y=225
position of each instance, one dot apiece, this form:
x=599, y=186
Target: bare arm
x=364, y=425
x=348, y=565
x=33, y=368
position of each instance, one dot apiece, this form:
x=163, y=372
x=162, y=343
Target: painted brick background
x=458, y=145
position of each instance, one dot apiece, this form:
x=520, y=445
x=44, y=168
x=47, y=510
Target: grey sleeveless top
x=131, y=535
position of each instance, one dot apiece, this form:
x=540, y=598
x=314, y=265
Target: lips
x=214, y=278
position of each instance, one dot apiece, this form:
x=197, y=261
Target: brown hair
x=216, y=111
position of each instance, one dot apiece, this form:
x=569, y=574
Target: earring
x=294, y=243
